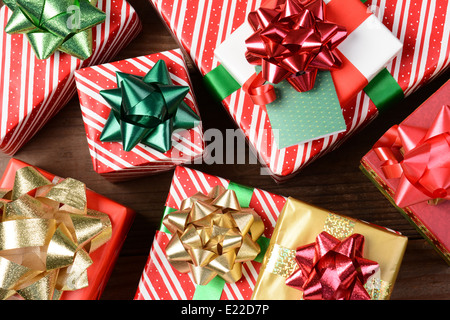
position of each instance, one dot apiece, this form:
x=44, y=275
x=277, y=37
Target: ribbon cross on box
x=300, y=117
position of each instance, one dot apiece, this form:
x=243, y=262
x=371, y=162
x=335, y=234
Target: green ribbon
x=51, y=25
x=213, y=290
x=220, y=83
x=243, y=193
x=384, y=91
x=146, y=110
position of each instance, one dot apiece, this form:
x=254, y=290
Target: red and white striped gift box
x=109, y=158
x=32, y=91
x=421, y=25
x=159, y=281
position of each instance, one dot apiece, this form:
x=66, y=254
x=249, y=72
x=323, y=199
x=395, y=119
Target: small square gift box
x=384, y=57
x=212, y=238
x=59, y=240
x=42, y=43
x=140, y=115
x=410, y=165
x=315, y=254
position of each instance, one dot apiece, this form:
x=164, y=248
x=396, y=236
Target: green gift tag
x=298, y=117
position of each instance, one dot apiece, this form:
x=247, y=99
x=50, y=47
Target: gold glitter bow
x=46, y=236
x=212, y=235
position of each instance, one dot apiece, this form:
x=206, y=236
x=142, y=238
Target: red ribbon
x=424, y=166
x=292, y=41
x=331, y=269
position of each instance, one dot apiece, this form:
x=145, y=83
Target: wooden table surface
x=333, y=182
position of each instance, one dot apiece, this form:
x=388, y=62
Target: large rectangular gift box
x=202, y=27
x=109, y=157
x=34, y=90
x=410, y=166
x=101, y=243
x=161, y=281
x=317, y=254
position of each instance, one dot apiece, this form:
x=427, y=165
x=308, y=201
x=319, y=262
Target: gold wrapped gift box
x=299, y=224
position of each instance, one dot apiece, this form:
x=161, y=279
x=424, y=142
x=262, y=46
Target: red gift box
x=160, y=281
x=201, y=27
x=109, y=158
x=432, y=221
x=105, y=256
x=34, y=90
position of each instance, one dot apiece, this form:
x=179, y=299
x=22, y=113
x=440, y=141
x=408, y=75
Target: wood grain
x=333, y=182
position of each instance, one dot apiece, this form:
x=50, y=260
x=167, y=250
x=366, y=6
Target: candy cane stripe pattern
x=421, y=25
x=159, y=281
x=33, y=90
x=109, y=158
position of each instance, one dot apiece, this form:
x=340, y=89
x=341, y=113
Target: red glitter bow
x=292, y=41
x=424, y=167
x=331, y=269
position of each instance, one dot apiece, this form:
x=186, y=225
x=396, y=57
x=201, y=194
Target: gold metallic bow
x=212, y=235
x=46, y=235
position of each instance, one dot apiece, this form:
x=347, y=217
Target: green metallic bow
x=50, y=25
x=147, y=110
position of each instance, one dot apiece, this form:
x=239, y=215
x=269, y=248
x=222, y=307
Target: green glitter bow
x=50, y=25
x=146, y=110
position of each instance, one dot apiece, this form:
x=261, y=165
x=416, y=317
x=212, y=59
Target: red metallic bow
x=331, y=269
x=292, y=41
x=424, y=166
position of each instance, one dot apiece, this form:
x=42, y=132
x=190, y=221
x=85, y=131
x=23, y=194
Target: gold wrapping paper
x=46, y=235
x=299, y=224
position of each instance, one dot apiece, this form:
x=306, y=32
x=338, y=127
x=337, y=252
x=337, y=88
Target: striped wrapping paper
x=159, y=281
x=421, y=25
x=32, y=91
x=109, y=158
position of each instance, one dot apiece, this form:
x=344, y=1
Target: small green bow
x=146, y=110
x=50, y=25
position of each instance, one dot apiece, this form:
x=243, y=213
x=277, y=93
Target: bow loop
x=51, y=25
x=291, y=41
x=420, y=157
x=331, y=269
x=147, y=110
x=212, y=235
x=47, y=234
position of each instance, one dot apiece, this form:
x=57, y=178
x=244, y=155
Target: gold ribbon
x=46, y=236
x=212, y=235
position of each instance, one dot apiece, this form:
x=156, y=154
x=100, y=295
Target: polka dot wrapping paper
x=422, y=27
x=109, y=159
x=33, y=90
x=160, y=281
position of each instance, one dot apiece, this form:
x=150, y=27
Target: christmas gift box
x=315, y=254
x=42, y=44
x=211, y=273
x=59, y=239
x=140, y=115
x=410, y=165
x=202, y=27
